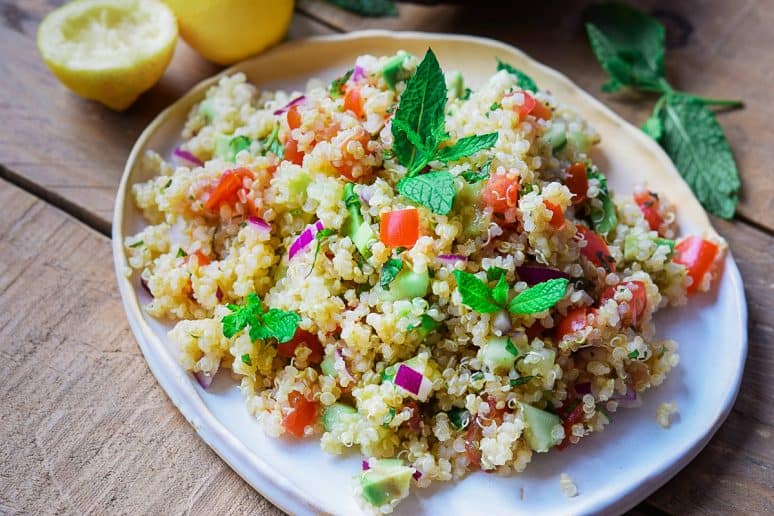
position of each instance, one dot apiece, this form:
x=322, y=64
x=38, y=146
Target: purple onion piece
x=294, y=102
x=533, y=275
x=365, y=465
x=145, y=286
x=417, y=474
x=186, y=157
x=409, y=379
x=451, y=260
x=583, y=388
x=219, y=295
x=628, y=400
x=259, y=223
x=358, y=73
x=305, y=238
x=204, y=379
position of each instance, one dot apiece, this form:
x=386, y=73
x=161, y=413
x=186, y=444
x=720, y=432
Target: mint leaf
x=434, y=190
x=495, y=273
x=337, y=85
x=539, y=298
x=389, y=271
x=475, y=293
x=277, y=324
x=629, y=45
x=653, y=126
x=373, y=8
x=273, y=144
x=696, y=143
x=420, y=112
x=603, y=219
x=237, y=144
x=242, y=316
x=467, y=147
x=500, y=292
x=473, y=177
x=523, y=80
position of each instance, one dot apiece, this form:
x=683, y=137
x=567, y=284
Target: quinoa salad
x=435, y=277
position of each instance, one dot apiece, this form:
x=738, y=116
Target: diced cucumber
x=222, y=148
x=364, y=238
x=556, y=136
x=537, y=362
x=386, y=481
x=327, y=367
x=499, y=354
x=539, y=428
x=408, y=285
x=297, y=186
x=393, y=71
x=580, y=140
x=332, y=415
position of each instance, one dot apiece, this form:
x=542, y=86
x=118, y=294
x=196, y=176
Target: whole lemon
x=108, y=50
x=227, y=31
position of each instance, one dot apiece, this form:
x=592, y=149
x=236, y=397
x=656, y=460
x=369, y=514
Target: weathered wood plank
x=91, y=430
x=70, y=146
x=718, y=49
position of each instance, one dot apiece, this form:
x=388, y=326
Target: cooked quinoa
x=366, y=338
x=665, y=412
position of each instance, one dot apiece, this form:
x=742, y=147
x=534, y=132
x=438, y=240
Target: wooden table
x=86, y=428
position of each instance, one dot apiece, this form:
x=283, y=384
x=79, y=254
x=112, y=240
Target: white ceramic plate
x=613, y=470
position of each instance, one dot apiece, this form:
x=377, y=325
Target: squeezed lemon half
x=109, y=50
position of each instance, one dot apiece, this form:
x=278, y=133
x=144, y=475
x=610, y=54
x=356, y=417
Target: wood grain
x=92, y=431
x=718, y=49
x=73, y=147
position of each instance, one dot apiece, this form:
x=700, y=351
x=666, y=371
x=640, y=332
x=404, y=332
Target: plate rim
x=279, y=490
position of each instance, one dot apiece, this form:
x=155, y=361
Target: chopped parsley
x=515, y=382
x=181, y=253
x=336, y=88
x=137, y=244
x=246, y=359
x=389, y=271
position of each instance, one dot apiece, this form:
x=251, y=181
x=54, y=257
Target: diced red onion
x=365, y=465
x=219, y=295
x=204, y=379
x=295, y=101
x=417, y=474
x=413, y=382
x=145, y=286
x=583, y=388
x=305, y=238
x=533, y=275
x=450, y=260
x=259, y=223
x=186, y=158
x=628, y=400
x=358, y=73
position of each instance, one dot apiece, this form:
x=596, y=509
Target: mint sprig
x=630, y=46
x=477, y=295
x=274, y=324
x=523, y=80
x=540, y=297
x=435, y=190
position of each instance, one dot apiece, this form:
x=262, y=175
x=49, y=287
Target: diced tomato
x=534, y=107
x=201, y=258
x=354, y=102
x=292, y=153
x=302, y=338
x=302, y=414
x=542, y=111
x=577, y=180
x=399, y=228
x=294, y=117
x=574, y=321
x=631, y=315
x=698, y=256
x=596, y=250
x=649, y=206
x=571, y=414
x=472, y=440
x=227, y=189
x=348, y=162
x=415, y=421
x=557, y=214
x=501, y=192
x=494, y=414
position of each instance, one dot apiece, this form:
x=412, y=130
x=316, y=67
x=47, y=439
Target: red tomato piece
x=292, y=153
x=557, y=215
x=354, y=102
x=527, y=106
x=302, y=414
x=201, y=258
x=649, y=206
x=399, y=228
x=414, y=422
x=632, y=313
x=596, y=250
x=501, y=192
x=574, y=321
x=348, y=161
x=698, y=256
x=542, y=111
x=472, y=440
x=577, y=180
x=574, y=416
x=227, y=188
x=302, y=338
x=294, y=117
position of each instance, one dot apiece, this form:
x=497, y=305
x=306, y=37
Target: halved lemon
x=109, y=50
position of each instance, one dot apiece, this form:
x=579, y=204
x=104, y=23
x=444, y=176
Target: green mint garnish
x=604, y=218
x=500, y=291
x=246, y=359
x=473, y=177
x=495, y=273
x=475, y=293
x=540, y=297
x=524, y=81
x=435, y=190
x=389, y=271
x=181, y=253
x=276, y=324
